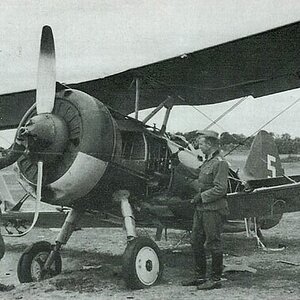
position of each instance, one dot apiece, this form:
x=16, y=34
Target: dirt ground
x=92, y=266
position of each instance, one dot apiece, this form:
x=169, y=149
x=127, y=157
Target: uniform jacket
x=212, y=182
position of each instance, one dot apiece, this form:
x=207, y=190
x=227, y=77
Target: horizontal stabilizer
x=265, y=201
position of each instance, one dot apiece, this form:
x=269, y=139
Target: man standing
x=211, y=209
x=9, y=156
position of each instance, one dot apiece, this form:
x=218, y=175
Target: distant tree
x=226, y=138
x=286, y=136
x=248, y=142
x=284, y=142
x=297, y=145
x=272, y=134
x=179, y=133
x=239, y=138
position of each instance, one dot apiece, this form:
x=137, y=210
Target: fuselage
x=102, y=152
x=105, y=152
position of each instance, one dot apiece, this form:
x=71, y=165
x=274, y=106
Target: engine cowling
x=84, y=139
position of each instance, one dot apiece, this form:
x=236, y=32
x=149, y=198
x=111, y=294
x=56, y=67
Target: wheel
x=31, y=263
x=142, y=264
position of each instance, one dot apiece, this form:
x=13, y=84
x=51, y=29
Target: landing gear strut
x=42, y=260
x=142, y=264
x=31, y=264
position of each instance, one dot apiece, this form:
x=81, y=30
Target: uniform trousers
x=206, y=235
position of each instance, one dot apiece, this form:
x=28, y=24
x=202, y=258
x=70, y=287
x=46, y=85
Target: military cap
x=208, y=133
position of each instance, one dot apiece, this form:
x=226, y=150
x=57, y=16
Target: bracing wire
x=214, y=122
x=226, y=112
x=263, y=126
x=202, y=113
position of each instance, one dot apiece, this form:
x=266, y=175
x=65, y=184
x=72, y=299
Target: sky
x=97, y=38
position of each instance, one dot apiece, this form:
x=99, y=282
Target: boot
x=210, y=284
x=217, y=268
x=216, y=265
x=195, y=281
x=200, y=260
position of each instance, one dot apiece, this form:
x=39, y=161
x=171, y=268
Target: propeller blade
x=46, y=81
x=39, y=181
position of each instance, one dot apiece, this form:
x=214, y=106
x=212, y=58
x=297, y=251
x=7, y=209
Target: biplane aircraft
x=85, y=153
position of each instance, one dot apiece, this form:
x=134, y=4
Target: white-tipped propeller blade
x=46, y=81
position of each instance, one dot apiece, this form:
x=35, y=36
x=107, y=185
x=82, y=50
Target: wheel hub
x=37, y=266
x=149, y=265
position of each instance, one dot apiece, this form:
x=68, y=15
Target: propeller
x=46, y=85
x=41, y=126
x=46, y=79
x=45, y=97
x=45, y=132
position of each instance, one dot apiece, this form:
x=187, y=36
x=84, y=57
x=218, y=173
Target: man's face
x=203, y=145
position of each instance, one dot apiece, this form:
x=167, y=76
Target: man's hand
x=197, y=199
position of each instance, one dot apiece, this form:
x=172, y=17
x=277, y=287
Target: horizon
x=7, y=136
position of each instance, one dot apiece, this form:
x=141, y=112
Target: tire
x=142, y=264
x=30, y=265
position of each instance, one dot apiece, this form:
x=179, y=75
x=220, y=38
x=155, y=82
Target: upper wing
x=256, y=65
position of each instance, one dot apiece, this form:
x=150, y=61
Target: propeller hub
x=47, y=136
x=40, y=130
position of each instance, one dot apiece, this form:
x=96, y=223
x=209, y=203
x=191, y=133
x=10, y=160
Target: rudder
x=263, y=160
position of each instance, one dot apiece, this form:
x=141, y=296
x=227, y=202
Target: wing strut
x=156, y=110
x=169, y=106
x=137, y=97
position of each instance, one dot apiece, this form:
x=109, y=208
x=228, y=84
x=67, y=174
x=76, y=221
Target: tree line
x=284, y=142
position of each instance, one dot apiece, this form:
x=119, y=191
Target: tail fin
x=263, y=160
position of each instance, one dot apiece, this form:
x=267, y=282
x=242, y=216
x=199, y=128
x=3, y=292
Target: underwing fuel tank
x=77, y=142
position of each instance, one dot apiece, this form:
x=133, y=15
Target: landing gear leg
x=64, y=235
x=255, y=232
x=128, y=216
x=142, y=264
x=42, y=260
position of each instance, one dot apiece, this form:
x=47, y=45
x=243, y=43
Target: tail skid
x=256, y=233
